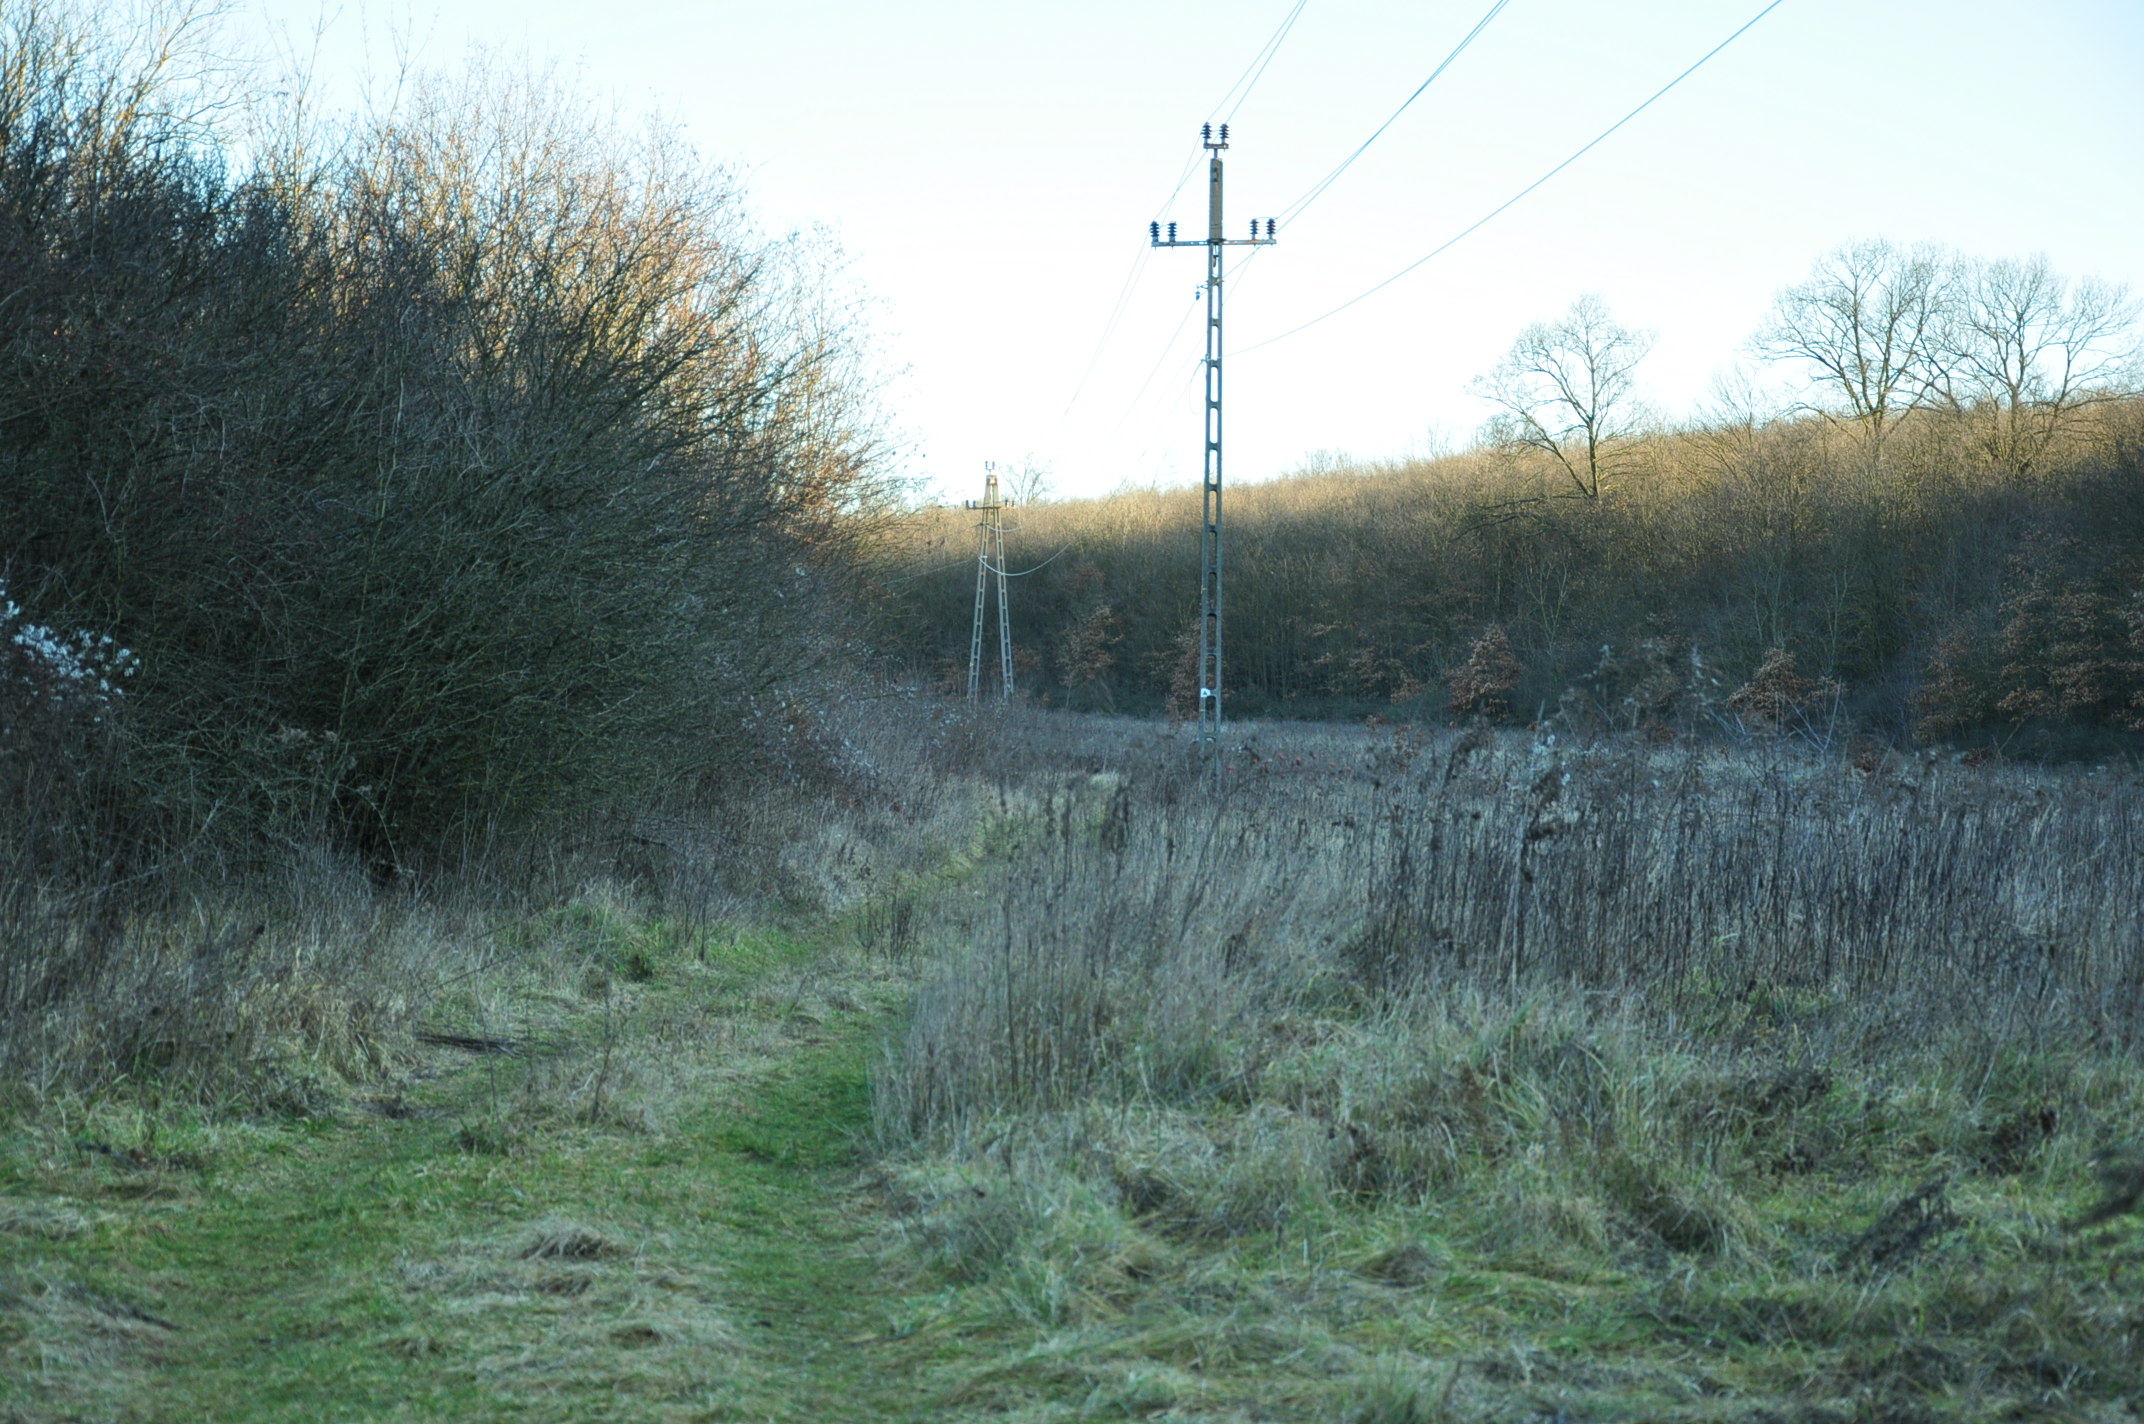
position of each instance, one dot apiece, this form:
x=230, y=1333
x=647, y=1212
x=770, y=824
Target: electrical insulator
x=1206, y=132
x=1153, y=230
x=1269, y=227
x=1224, y=133
x=1172, y=232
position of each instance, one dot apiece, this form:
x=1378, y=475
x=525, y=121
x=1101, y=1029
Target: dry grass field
x=1466, y=1077
x=1446, y=1075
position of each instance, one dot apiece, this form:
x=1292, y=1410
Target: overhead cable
x=1167, y=347
x=1327, y=181
x=1025, y=572
x=1258, y=66
x=1239, y=92
x=1499, y=210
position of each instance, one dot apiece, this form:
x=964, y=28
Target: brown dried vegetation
x=1703, y=1084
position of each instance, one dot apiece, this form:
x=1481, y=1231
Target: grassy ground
x=1866, y=1251
x=1066, y=1136
x=643, y=1211
x=1479, y=1080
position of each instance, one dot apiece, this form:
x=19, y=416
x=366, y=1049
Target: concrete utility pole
x=989, y=562
x=1210, y=535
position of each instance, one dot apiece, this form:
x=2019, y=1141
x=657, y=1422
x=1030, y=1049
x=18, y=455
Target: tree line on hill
x=1941, y=539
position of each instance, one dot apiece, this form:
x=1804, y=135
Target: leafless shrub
x=2063, y=649
x=476, y=485
x=1182, y=665
x=1084, y=657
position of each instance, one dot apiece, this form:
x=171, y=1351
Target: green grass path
x=451, y=1265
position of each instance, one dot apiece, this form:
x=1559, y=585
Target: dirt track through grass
x=1349, y=1197
x=447, y=1257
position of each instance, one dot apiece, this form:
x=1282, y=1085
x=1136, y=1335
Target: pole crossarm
x=1173, y=241
x=1210, y=549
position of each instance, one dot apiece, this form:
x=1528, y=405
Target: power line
x=1328, y=180
x=1109, y=327
x=1264, y=58
x=1037, y=568
x=1245, y=82
x=1166, y=348
x=1499, y=210
x=1124, y=293
x=1296, y=208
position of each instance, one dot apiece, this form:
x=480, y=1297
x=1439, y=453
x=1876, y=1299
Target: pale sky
x=990, y=168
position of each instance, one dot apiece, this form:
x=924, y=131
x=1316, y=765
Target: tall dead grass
x=276, y=979
x=1764, y=1073
x=1768, y=893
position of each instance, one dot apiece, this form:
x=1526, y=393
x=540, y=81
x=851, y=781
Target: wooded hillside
x=1948, y=533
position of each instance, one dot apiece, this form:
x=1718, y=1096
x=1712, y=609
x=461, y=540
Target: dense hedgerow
x=465, y=466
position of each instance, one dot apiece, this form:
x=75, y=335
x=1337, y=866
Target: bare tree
x=1568, y=389
x=1868, y=321
x=2024, y=349
x=1031, y=481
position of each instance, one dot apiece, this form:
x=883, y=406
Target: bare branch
x=1867, y=320
x=1568, y=390
x=2024, y=348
